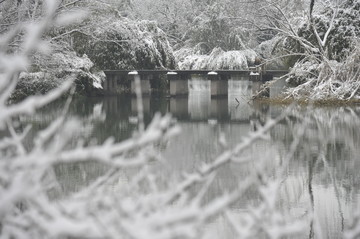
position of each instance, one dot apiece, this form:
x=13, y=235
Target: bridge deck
x=194, y=72
x=179, y=83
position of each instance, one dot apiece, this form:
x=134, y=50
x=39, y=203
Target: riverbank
x=305, y=101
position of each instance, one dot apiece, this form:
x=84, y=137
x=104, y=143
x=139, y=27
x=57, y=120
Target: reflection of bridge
x=179, y=80
x=199, y=106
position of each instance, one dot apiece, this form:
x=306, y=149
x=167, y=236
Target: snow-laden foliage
x=120, y=43
x=345, y=27
x=216, y=30
x=49, y=72
x=218, y=59
x=327, y=80
x=268, y=51
x=210, y=23
x=323, y=51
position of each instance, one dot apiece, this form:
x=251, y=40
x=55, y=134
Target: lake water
x=323, y=174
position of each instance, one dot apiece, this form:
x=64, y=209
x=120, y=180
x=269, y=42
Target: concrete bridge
x=179, y=79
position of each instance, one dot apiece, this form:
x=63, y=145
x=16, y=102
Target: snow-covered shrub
x=346, y=27
x=218, y=59
x=33, y=84
x=119, y=43
x=330, y=33
x=322, y=53
x=49, y=72
x=217, y=26
x=268, y=51
x=327, y=80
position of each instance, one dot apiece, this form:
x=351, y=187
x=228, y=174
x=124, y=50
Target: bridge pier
x=277, y=88
x=109, y=83
x=219, y=85
x=184, y=82
x=179, y=107
x=178, y=84
x=106, y=83
x=256, y=86
x=113, y=82
x=256, y=73
x=219, y=108
x=145, y=102
x=144, y=83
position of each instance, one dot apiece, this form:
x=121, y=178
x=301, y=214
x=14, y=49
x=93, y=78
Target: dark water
x=323, y=174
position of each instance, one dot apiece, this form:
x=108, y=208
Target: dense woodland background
x=313, y=38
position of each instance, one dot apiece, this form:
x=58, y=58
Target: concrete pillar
x=240, y=92
x=256, y=86
x=277, y=87
x=146, y=105
x=219, y=86
x=179, y=107
x=199, y=105
x=178, y=85
x=106, y=82
x=199, y=83
x=255, y=75
x=113, y=84
x=144, y=83
x=110, y=84
x=219, y=108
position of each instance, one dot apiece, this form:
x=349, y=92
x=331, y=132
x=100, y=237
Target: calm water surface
x=324, y=173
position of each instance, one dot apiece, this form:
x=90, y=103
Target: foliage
x=218, y=59
x=49, y=72
x=214, y=30
x=328, y=80
x=345, y=28
x=204, y=24
x=321, y=50
x=269, y=51
x=120, y=43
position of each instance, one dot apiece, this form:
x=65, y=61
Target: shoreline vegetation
x=319, y=45
x=333, y=102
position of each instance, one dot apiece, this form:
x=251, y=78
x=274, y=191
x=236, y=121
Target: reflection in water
x=179, y=107
x=199, y=105
x=199, y=98
x=219, y=108
x=239, y=94
x=321, y=177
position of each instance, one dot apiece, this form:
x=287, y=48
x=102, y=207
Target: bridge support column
x=138, y=81
x=219, y=108
x=255, y=73
x=178, y=85
x=106, y=82
x=256, y=86
x=110, y=84
x=277, y=88
x=113, y=84
x=219, y=86
x=179, y=107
